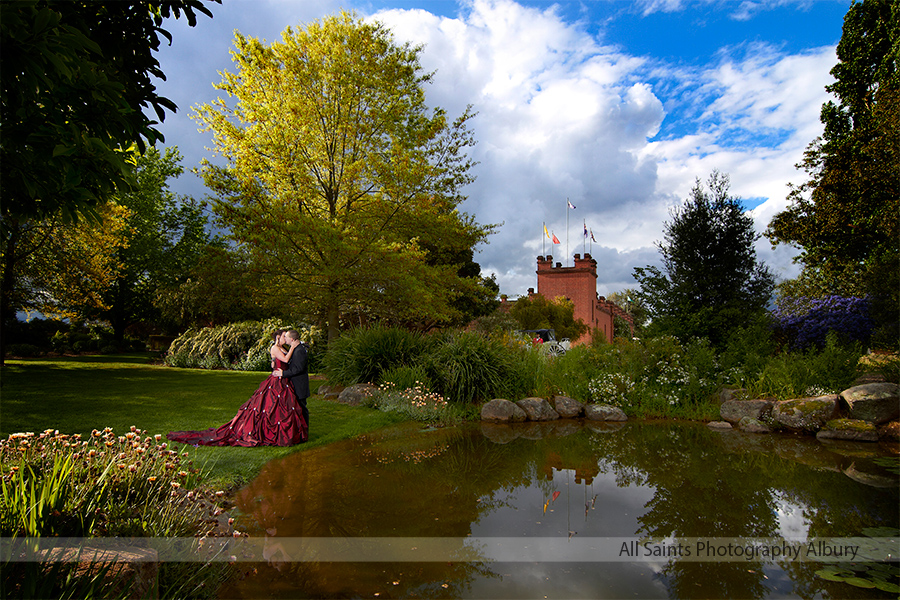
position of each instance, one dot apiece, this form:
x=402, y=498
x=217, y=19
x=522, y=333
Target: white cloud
x=563, y=115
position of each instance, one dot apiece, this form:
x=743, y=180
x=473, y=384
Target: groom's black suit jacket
x=297, y=373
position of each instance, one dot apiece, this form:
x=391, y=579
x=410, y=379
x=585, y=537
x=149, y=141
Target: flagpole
x=584, y=237
x=542, y=240
x=567, y=230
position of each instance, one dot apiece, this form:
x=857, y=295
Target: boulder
x=735, y=410
x=604, y=412
x=873, y=402
x=728, y=394
x=805, y=414
x=568, y=408
x=330, y=392
x=719, y=425
x=751, y=425
x=356, y=394
x=537, y=409
x=853, y=430
x=499, y=410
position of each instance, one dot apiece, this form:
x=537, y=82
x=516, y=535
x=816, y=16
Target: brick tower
x=579, y=284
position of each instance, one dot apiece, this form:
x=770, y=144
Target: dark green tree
x=166, y=239
x=711, y=281
x=846, y=217
x=75, y=78
x=558, y=314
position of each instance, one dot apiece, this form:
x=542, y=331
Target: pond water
x=559, y=488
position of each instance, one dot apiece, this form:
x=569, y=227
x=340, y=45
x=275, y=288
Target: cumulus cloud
x=563, y=114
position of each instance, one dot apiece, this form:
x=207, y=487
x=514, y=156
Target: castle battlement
x=578, y=283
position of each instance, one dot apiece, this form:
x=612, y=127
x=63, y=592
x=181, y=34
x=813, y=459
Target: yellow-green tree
x=339, y=180
x=69, y=266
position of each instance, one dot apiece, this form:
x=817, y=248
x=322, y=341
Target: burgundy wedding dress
x=271, y=417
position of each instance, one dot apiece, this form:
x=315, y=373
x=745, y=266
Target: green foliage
x=657, y=377
x=797, y=374
x=542, y=313
x=165, y=239
x=237, y=346
x=414, y=402
x=846, y=217
x=370, y=226
x=711, y=280
x=363, y=354
x=131, y=485
x=407, y=377
x=76, y=78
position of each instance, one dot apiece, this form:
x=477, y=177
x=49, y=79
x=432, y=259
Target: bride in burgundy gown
x=271, y=417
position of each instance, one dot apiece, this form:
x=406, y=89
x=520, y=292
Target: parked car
x=547, y=339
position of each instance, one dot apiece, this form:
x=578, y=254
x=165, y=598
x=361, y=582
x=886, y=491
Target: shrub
x=23, y=350
x=415, y=402
x=796, y=374
x=237, y=346
x=362, y=354
x=471, y=367
x=805, y=322
x=405, y=377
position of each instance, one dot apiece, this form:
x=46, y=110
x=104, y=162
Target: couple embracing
x=276, y=414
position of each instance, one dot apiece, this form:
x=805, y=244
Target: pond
x=555, y=510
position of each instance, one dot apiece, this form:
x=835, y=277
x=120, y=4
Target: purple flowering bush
x=803, y=322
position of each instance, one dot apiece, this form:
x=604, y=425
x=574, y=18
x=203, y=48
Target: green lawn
x=79, y=394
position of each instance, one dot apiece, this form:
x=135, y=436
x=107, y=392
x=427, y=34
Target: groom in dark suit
x=296, y=371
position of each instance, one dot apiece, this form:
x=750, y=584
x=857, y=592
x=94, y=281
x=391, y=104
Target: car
x=547, y=339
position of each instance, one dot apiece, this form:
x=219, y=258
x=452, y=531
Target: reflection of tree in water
x=411, y=483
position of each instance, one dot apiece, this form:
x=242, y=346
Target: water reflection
x=563, y=479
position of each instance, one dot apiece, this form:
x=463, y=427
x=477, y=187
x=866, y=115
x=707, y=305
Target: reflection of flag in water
x=572, y=206
x=555, y=239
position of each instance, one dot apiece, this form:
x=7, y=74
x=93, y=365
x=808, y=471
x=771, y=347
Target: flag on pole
x=555, y=239
x=572, y=206
x=547, y=233
x=585, y=229
x=592, y=236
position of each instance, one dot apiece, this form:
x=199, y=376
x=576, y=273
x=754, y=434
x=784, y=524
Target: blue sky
x=616, y=106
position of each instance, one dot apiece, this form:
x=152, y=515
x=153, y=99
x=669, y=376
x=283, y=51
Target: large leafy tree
x=166, y=238
x=75, y=78
x=558, y=314
x=339, y=180
x=846, y=217
x=711, y=281
x=68, y=266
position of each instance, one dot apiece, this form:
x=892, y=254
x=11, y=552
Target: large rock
x=499, y=410
x=854, y=430
x=751, y=425
x=356, y=394
x=537, y=409
x=873, y=402
x=568, y=408
x=805, y=414
x=604, y=412
x=735, y=410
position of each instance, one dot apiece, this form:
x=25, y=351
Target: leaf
x=860, y=582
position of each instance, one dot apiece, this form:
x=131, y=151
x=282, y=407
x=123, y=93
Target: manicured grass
x=79, y=394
